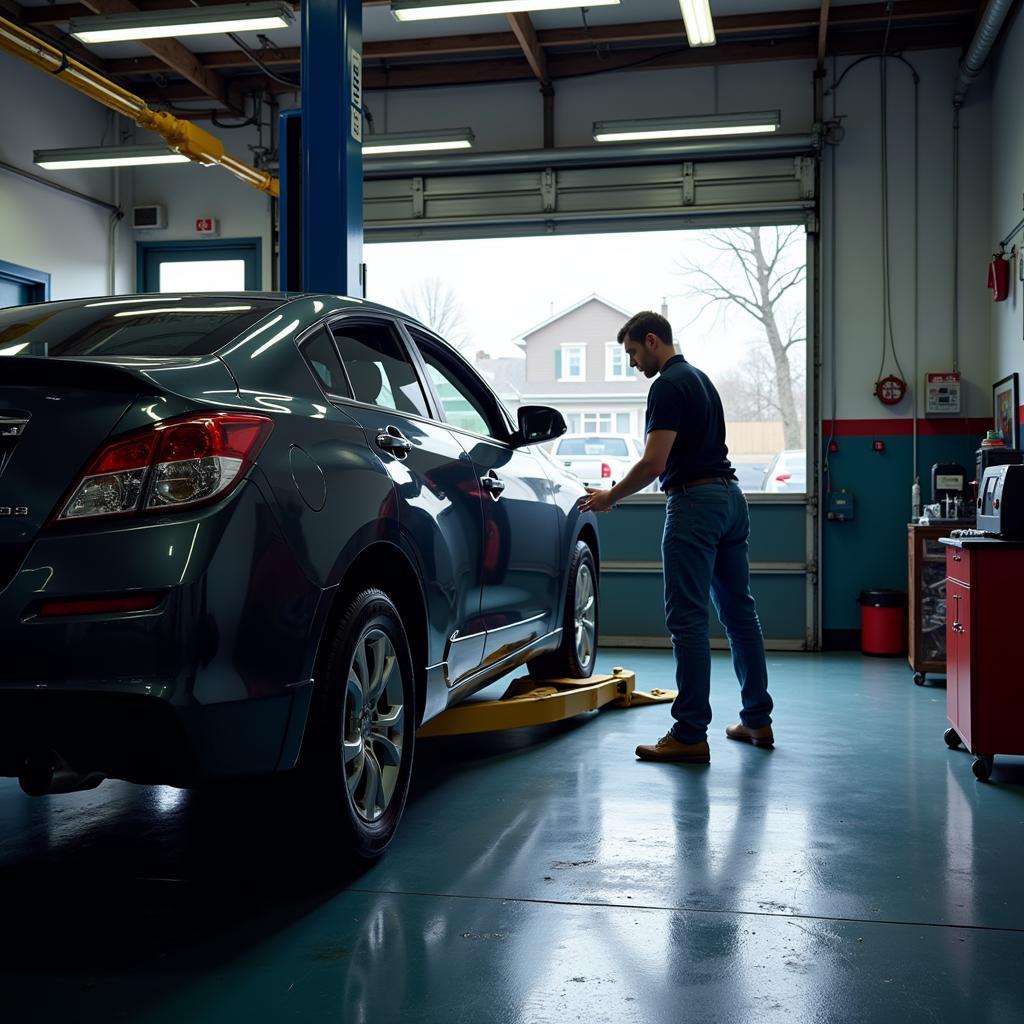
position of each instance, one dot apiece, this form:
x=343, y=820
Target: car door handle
x=391, y=440
x=492, y=485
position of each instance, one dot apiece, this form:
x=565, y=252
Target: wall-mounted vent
x=146, y=217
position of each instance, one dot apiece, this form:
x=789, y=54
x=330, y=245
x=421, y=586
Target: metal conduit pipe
x=182, y=136
x=981, y=46
x=591, y=156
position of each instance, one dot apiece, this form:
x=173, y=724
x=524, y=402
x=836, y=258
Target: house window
x=571, y=362
x=622, y=423
x=616, y=363
x=573, y=422
x=597, y=423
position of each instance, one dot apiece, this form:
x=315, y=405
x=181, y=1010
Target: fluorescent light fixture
x=106, y=156
x=700, y=29
x=14, y=349
x=702, y=126
x=182, y=21
x=417, y=142
x=425, y=10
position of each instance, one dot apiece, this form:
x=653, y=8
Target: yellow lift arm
x=182, y=136
x=529, y=702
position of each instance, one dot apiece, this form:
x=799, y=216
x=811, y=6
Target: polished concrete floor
x=858, y=872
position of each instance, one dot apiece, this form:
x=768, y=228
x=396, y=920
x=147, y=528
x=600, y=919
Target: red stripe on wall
x=905, y=428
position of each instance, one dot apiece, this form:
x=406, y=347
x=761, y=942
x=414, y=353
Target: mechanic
x=704, y=544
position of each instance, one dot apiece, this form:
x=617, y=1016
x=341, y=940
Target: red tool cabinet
x=984, y=683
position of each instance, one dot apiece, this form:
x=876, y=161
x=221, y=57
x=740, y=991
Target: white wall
x=859, y=235
x=41, y=228
x=190, y=190
x=1007, y=189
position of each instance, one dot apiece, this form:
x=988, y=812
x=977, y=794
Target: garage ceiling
x=544, y=46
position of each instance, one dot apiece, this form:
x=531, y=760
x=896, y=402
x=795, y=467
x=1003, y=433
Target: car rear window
x=156, y=325
x=614, y=446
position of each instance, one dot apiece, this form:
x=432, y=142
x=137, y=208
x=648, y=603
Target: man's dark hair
x=643, y=323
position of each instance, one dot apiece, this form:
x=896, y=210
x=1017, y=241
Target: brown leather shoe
x=756, y=737
x=668, y=748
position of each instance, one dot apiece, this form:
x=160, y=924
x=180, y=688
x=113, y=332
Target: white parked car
x=598, y=460
x=786, y=473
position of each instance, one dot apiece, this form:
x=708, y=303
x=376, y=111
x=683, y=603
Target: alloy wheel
x=374, y=724
x=584, y=615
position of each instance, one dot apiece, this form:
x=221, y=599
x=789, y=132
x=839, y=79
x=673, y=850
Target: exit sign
x=206, y=225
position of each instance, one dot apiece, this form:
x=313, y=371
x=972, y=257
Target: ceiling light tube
x=417, y=142
x=424, y=10
x=703, y=126
x=700, y=29
x=106, y=156
x=182, y=21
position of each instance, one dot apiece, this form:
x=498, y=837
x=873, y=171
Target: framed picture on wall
x=1006, y=410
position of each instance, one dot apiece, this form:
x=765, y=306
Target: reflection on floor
x=856, y=873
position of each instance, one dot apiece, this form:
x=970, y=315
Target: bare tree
x=749, y=392
x=759, y=275
x=435, y=304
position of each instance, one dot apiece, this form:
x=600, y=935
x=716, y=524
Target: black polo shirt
x=683, y=399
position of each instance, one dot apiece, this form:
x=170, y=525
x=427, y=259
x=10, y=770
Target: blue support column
x=332, y=162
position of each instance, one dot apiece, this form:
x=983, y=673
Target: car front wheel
x=577, y=652
x=364, y=724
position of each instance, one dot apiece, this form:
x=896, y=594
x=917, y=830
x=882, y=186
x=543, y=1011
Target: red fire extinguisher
x=999, y=277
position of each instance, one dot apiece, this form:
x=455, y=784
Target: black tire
x=919, y=678
x=951, y=738
x=362, y=791
x=982, y=768
x=568, y=661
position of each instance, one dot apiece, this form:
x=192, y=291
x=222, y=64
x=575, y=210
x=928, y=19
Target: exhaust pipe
x=47, y=772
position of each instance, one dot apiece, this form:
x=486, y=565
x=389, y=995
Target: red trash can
x=883, y=622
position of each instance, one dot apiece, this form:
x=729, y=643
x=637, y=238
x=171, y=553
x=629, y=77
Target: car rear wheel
x=577, y=652
x=364, y=725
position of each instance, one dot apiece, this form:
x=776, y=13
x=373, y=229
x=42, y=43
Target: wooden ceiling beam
x=563, y=65
x=822, y=33
x=526, y=36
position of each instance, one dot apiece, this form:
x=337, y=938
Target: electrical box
x=839, y=505
x=147, y=217
x=942, y=394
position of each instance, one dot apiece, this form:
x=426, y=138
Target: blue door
x=21, y=285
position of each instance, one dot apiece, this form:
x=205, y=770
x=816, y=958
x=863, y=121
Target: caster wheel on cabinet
x=952, y=739
x=919, y=678
x=982, y=768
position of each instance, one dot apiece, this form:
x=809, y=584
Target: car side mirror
x=538, y=423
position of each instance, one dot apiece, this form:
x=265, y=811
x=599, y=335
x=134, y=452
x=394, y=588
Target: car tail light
x=606, y=471
x=99, y=605
x=175, y=464
x=783, y=477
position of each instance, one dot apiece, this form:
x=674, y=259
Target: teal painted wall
x=871, y=551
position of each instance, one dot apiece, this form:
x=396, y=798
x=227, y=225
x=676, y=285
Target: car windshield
x=614, y=446
x=158, y=325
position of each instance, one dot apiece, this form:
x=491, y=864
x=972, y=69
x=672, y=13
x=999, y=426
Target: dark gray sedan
x=254, y=533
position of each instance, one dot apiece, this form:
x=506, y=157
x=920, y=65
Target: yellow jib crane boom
x=182, y=136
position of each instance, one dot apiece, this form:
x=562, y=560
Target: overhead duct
x=981, y=46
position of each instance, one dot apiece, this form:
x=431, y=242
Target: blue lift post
x=321, y=212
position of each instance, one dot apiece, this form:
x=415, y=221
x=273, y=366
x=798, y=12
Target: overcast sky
x=507, y=286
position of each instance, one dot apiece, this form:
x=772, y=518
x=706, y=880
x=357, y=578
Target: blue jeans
x=704, y=550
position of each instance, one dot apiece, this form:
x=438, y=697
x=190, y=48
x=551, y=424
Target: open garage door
x=476, y=249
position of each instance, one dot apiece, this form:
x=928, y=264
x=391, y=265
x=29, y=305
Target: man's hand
x=596, y=501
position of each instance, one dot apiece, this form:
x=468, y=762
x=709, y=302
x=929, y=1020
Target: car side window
x=323, y=359
x=377, y=365
x=465, y=404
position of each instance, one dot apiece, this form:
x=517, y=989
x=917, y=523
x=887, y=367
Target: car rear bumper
x=211, y=682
